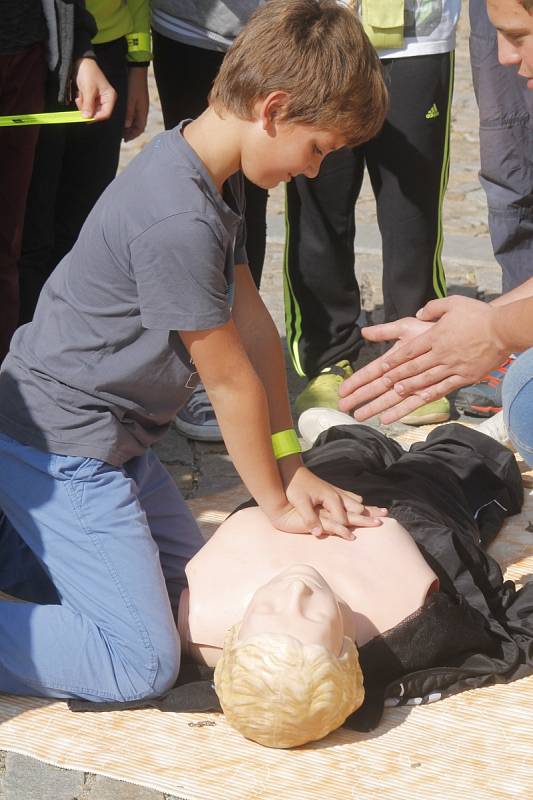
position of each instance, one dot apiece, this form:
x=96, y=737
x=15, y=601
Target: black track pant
x=408, y=166
x=184, y=76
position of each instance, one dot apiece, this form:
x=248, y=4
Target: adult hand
x=137, y=104
x=372, y=381
x=317, y=507
x=96, y=97
x=457, y=346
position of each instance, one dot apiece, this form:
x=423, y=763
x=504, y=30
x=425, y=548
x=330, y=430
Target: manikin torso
x=380, y=575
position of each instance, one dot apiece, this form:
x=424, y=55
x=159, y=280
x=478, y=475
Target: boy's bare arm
x=241, y=407
x=251, y=403
x=262, y=343
x=263, y=347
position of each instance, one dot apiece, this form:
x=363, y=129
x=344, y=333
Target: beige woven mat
x=475, y=745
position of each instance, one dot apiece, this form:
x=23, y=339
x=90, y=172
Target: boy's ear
x=271, y=109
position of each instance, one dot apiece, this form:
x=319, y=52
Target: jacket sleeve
x=139, y=45
x=84, y=29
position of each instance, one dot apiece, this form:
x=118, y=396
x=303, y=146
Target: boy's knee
x=147, y=674
x=169, y=659
x=166, y=665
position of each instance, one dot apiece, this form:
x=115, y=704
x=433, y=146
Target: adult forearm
x=521, y=292
x=513, y=324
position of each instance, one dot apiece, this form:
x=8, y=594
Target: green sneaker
x=429, y=414
x=323, y=391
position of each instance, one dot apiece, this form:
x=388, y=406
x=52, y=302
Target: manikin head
x=288, y=674
x=513, y=19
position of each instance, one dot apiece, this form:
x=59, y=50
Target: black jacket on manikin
x=452, y=493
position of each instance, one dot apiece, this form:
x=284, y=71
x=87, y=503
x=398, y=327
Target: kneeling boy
x=155, y=294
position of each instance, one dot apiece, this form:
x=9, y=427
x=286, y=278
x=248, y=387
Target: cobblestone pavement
x=201, y=469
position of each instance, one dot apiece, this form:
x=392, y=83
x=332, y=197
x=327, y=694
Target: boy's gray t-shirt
x=101, y=371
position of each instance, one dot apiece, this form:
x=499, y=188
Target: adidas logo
x=433, y=112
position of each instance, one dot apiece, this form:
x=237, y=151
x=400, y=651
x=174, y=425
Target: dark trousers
x=505, y=148
x=408, y=167
x=22, y=82
x=73, y=165
x=184, y=76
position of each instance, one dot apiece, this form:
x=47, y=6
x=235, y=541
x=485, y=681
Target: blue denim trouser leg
x=517, y=393
x=114, y=542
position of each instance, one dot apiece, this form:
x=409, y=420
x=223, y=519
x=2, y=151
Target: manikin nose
x=298, y=591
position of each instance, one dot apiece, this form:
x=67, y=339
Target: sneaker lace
x=199, y=400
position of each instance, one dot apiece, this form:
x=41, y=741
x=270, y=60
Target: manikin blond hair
x=281, y=693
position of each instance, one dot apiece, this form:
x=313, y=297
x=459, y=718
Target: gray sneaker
x=196, y=420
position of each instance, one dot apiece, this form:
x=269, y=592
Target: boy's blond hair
x=317, y=52
x=281, y=693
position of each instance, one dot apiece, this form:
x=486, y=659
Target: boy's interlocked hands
x=317, y=507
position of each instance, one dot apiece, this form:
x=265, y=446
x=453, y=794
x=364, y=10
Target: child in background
x=75, y=163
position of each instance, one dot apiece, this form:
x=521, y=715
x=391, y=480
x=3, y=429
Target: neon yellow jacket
x=130, y=18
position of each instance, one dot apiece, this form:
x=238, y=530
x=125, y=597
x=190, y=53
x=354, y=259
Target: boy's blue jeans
x=100, y=552
x=517, y=393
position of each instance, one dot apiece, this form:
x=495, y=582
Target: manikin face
x=275, y=151
x=515, y=35
x=297, y=602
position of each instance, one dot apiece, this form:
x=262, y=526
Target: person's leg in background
x=22, y=89
x=506, y=150
x=184, y=75
x=72, y=168
x=256, y=228
x=408, y=164
x=506, y=175
x=322, y=299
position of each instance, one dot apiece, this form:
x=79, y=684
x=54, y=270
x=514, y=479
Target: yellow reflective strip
x=52, y=118
x=138, y=42
x=285, y=443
